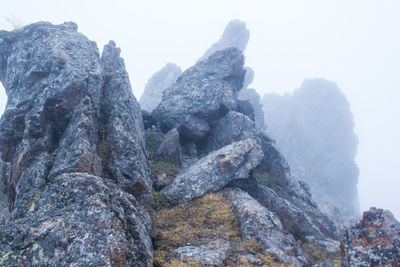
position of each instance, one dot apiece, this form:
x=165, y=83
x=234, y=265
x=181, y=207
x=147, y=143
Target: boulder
x=212, y=254
x=156, y=85
x=202, y=94
x=259, y=224
x=214, y=171
x=374, y=241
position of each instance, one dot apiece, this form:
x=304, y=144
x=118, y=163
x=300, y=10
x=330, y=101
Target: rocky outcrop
x=72, y=153
x=259, y=224
x=314, y=130
x=374, y=241
x=212, y=254
x=215, y=171
x=235, y=35
x=156, y=85
x=201, y=95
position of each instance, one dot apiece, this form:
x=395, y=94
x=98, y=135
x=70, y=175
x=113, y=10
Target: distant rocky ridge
x=155, y=86
x=314, y=129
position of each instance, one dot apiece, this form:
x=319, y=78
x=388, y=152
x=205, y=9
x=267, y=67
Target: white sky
x=353, y=43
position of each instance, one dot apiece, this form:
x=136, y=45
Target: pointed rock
x=157, y=84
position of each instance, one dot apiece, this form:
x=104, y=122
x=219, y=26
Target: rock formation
x=235, y=35
x=72, y=150
x=87, y=178
x=314, y=129
x=156, y=85
x=374, y=241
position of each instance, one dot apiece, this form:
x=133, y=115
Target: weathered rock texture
x=72, y=153
x=374, y=241
x=235, y=35
x=212, y=254
x=156, y=85
x=202, y=94
x=314, y=129
x=259, y=224
x=215, y=171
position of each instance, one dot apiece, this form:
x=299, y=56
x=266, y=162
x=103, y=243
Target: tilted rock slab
x=259, y=224
x=72, y=148
x=216, y=170
x=202, y=94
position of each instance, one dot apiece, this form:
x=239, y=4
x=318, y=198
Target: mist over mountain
x=314, y=130
x=88, y=177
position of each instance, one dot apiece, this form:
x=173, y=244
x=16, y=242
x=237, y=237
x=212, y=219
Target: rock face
x=214, y=253
x=72, y=153
x=374, y=241
x=170, y=150
x=235, y=35
x=314, y=130
x=201, y=94
x=259, y=224
x=215, y=171
x=156, y=85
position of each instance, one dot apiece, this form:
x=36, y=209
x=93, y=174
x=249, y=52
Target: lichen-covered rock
x=202, y=94
x=235, y=35
x=122, y=132
x=214, y=253
x=79, y=219
x=71, y=127
x=216, y=170
x=170, y=149
x=261, y=225
x=156, y=85
x=374, y=241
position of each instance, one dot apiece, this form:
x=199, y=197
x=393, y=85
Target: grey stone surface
x=72, y=148
x=170, y=149
x=215, y=171
x=203, y=93
x=314, y=130
x=373, y=241
x=212, y=254
x=261, y=225
x=235, y=35
x=156, y=85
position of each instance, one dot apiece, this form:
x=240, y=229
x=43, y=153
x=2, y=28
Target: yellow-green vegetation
x=317, y=255
x=193, y=223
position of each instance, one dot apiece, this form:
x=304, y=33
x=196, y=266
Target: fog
x=355, y=44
